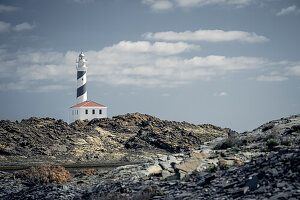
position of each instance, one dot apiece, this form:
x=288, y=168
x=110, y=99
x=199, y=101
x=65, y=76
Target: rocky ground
x=125, y=138
x=261, y=164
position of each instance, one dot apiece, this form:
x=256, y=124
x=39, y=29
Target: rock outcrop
x=261, y=164
x=125, y=138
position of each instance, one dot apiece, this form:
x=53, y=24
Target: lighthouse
x=81, y=78
x=84, y=109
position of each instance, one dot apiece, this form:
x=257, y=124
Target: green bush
x=212, y=168
x=228, y=143
x=236, y=149
x=271, y=143
x=232, y=142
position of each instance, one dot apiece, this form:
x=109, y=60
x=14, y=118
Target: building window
x=100, y=112
x=86, y=111
x=72, y=112
x=93, y=111
x=76, y=112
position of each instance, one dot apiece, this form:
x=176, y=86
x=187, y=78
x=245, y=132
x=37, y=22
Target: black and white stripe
x=81, y=79
x=81, y=86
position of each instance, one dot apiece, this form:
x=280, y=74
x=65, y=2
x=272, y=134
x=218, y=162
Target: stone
x=245, y=189
x=165, y=174
x=154, y=169
x=199, y=155
x=252, y=183
x=280, y=184
x=238, y=162
x=281, y=195
x=173, y=159
x=188, y=166
x=271, y=174
x=163, y=158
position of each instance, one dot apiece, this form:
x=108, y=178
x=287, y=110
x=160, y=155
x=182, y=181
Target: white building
x=84, y=109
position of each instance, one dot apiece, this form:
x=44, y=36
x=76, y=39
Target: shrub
x=152, y=190
x=271, y=143
x=45, y=174
x=236, y=149
x=86, y=172
x=223, y=164
x=267, y=127
x=231, y=142
x=228, y=143
x=212, y=168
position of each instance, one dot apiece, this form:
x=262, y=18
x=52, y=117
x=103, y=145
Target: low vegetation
x=86, y=172
x=271, y=143
x=44, y=174
x=231, y=142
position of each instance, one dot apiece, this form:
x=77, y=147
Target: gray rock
x=188, y=166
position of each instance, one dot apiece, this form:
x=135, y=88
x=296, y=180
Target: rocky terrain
x=125, y=138
x=223, y=164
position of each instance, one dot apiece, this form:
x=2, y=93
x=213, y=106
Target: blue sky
x=232, y=63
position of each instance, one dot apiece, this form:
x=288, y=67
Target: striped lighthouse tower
x=84, y=110
x=81, y=79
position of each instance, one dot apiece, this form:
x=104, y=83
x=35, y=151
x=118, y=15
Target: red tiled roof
x=88, y=104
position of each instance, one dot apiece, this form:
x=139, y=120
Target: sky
x=231, y=63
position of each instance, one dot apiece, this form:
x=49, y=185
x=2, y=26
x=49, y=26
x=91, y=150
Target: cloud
x=34, y=71
x=221, y=94
x=4, y=8
x=158, y=5
x=23, y=26
x=4, y=27
x=192, y=3
x=162, y=48
x=271, y=78
x=206, y=35
x=140, y=63
x=226, y=63
x=288, y=10
x=293, y=71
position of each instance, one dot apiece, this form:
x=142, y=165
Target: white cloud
x=158, y=5
x=23, y=26
x=226, y=63
x=164, y=48
x=141, y=63
x=288, y=10
x=206, y=35
x=221, y=94
x=293, y=71
x=4, y=8
x=271, y=78
x=192, y=3
x=27, y=70
x=4, y=27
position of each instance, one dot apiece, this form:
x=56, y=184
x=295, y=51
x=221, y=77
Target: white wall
x=73, y=116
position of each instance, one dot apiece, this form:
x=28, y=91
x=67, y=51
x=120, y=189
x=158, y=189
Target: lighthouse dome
x=81, y=54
